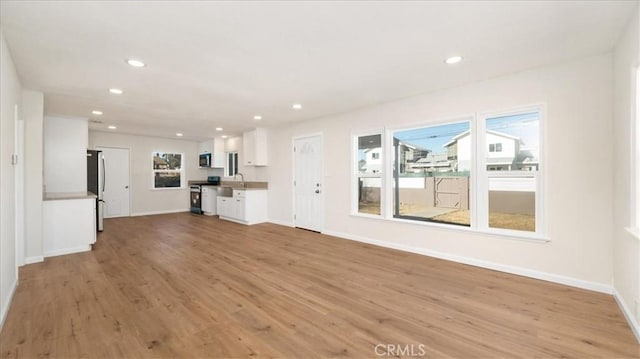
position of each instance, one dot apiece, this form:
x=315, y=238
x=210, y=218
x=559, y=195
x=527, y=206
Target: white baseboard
x=61, y=252
x=628, y=314
x=281, y=223
x=34, y=259
x=7, y=304
x=555, y=278
x=159, y=212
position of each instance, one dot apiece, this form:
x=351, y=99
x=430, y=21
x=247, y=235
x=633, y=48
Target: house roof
x=466, y=133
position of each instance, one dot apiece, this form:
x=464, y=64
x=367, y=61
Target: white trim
x=71, y=250
x=550, y=277
x=7, y=305
x=282, y=223
x=34, y=259
x=160, y=212
x=628, y=314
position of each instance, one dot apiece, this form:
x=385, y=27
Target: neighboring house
x=504, y=153
x=159, y=163
x=373, y=161
x=433, y=162
x=409, y=157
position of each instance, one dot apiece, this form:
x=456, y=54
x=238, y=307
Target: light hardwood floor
x=188, y=286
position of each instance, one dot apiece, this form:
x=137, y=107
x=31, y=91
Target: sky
x=524, y=126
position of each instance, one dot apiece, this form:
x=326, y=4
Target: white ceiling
x=217, y=64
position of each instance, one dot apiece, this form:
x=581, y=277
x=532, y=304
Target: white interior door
x=116, y=183
x=309, y=197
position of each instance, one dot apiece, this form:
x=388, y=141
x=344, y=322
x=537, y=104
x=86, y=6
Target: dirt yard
x=520, y=222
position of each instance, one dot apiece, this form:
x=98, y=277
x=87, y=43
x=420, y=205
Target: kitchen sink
x=225, y=191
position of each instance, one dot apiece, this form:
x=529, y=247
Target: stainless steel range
x=196, y=198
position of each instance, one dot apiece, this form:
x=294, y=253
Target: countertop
x=250, y=185
x=56, y=196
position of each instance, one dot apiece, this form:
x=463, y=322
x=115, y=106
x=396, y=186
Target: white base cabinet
x=208, y=200
x=69, y=226
x=246, y=206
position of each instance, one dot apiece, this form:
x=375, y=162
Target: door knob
x=126, y=187
x=317, y=191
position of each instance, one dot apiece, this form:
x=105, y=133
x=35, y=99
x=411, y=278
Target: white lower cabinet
x=246, y=206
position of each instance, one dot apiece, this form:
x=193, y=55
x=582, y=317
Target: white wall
x=65, y=154
x=10, y=95
x=626, y=247
x=144, y=199
x=33, y=116
x=579, y=205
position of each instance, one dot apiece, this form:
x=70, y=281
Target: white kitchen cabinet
x=254, y=144
x=224, y=206
x=69, y=224
x=209, y=200
x=246, y=206
x=215, y=147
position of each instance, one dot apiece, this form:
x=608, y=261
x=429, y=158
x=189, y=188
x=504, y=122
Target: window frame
x=236, y=163
x=390, y=210
x=483, y=174
x=355, y=175
x=182, y=171
x=480, y=150
x=634, y=160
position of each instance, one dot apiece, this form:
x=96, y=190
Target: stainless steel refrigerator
x=95, y=183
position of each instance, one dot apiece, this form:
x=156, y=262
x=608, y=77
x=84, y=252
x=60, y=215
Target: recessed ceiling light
x=115, y=91
x=224, y=136
x=179, y=134
x=453, y=60
x=296, y=106
x=218, y=128
x=135, y=63
x=257, y=117
x=112, y=127
x=96, y=112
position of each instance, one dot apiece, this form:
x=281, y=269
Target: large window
x=431, y=171
x=168, y=170
x=483, y=173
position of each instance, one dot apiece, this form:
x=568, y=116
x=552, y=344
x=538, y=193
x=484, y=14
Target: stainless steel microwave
x=205, y=160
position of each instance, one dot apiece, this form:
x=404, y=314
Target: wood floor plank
x=189, y=286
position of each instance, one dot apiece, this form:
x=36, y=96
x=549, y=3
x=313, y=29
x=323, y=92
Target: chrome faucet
x=244, y=185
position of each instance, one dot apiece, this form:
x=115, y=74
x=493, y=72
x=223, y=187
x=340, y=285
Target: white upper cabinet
x=255, y=147
x=216, y=148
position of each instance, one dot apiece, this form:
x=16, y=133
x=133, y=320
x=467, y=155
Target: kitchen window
x=231, y=166
x=168, y=170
